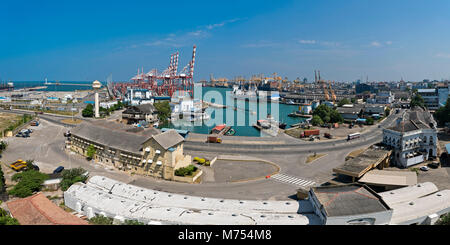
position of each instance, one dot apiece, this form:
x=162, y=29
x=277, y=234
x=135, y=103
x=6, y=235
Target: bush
x=132, y=222
x=185, y=171
x=444, y=220
x=100, y=220
x=72, y=176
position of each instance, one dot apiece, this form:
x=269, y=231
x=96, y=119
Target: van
x=58, y=170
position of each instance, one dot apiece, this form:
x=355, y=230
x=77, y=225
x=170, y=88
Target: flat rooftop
x=367, y=160
x=345, y=200
x=389, y=178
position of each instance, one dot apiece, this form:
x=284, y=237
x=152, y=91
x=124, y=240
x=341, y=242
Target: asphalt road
x=46, y=146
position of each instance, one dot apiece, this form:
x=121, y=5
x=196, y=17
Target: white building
x=430, y=97
x=414, y=137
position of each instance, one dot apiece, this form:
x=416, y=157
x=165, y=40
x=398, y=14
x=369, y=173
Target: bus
x=353, y=136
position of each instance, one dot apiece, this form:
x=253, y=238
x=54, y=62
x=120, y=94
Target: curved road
x=290, y=158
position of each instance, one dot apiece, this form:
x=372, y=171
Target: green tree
x=72, y=176
x=328, y=114
x=417, y=100
x=3, y=146
x=344, y=101
x=88, y=111
x=101, y=220
x=164, y=111
x=2, y=182
x=316, y=121
x=370, y=121
x=5, y=219
x=90, y=152
x=442, y=115
x=29, y=182
x=387, y=111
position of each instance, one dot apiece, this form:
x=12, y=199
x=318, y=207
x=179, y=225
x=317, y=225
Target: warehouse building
x=134, y=150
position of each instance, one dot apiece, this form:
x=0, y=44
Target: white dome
x=96, y=84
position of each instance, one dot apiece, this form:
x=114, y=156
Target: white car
x=424, y=168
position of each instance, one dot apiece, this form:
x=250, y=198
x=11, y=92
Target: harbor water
x=243, y=114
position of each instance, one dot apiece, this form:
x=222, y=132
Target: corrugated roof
x=119, y=139
x=39, y=210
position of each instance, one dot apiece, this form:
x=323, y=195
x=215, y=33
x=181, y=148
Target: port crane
x=322, y=84
x=166, y=82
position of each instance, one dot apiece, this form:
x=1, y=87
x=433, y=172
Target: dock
x=299, y=115
x=270, y=131
x=220, y=129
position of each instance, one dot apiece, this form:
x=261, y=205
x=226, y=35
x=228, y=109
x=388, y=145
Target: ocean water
x=241, y=119
x=66, y=85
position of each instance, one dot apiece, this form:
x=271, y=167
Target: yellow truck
x=18, y=165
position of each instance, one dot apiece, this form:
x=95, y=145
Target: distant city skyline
x=345, y=40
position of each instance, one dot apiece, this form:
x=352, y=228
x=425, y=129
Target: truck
x=214, y=139
x=34, y=123
x=328, y=135
x=308, y=133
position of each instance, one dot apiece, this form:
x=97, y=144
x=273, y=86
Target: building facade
x=138, y=113
x=150, y=153
x=414, y=138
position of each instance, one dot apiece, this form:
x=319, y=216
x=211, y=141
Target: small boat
x=231, y=132
x=282, y=125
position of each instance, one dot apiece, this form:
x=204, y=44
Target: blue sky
x=346, y=40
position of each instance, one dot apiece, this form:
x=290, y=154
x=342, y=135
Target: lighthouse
x=96, y=85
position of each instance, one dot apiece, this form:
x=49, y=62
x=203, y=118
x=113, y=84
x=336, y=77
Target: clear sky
x=344, y=39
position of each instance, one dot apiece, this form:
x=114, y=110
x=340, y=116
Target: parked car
x=433, y=165
x=58, y=170
x=67, y=134
x=35, y=167
x=18, y=165
x=424, y=168
x=34, y=123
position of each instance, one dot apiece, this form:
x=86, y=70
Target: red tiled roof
x=219, y=127
x=39, y=210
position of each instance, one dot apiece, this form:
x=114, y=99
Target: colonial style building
x=136, y=114
x=413, y=138
x=134, y=150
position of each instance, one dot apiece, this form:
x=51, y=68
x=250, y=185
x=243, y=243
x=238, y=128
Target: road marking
x=292, y=180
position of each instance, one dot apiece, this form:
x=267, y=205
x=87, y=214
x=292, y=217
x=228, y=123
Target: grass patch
x=70, y=121
x=314, y=157
x=415, y=170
